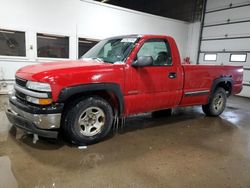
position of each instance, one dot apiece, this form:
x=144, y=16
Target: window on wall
x=12, y=43
x=52, y=46
x=210, y=57
x=238, y=57
x=84, y=45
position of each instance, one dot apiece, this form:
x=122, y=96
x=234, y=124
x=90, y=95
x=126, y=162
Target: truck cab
x=162, y=79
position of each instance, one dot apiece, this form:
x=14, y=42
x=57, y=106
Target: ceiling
x=186, y=10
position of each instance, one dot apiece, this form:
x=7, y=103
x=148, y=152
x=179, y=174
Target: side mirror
x=143, y=61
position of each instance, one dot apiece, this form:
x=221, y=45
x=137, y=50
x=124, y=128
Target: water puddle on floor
x=4, y=127
x=7, y=178
x=4, y=124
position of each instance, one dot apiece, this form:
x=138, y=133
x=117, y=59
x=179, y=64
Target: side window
x=158, y=49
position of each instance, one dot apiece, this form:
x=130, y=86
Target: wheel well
x=110, y=97
x=225, y=85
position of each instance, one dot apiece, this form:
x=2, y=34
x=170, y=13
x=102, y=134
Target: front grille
x=20, y=95
x=21, y=82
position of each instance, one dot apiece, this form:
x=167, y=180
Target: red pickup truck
x=118, y=77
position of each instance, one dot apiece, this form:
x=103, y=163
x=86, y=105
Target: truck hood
x=63, y=65
x=66, y=74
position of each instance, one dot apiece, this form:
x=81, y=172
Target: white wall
x=76, y=18
x=193, y=41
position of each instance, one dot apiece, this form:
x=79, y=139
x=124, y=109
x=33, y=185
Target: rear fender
x=218, y=81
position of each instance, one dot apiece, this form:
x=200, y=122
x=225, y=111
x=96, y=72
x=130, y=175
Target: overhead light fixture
x=104, y=1
x=9, y=32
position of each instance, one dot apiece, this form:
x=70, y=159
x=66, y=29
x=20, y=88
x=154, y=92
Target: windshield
x=112, y=50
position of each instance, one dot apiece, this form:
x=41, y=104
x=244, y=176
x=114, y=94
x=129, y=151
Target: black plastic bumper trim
x=196, y=93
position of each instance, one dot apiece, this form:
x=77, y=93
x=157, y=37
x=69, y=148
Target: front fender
x=111, y=87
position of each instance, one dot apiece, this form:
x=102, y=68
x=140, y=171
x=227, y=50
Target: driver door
x=158, y=85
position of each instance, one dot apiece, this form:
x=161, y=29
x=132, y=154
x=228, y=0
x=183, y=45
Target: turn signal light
x=45, y=101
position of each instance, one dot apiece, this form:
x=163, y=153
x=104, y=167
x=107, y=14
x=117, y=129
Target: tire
x=162, y=113
x=217, y=103
x=88, y=121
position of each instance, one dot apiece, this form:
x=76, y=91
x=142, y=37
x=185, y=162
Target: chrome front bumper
x=41, y=124
x=42, y=121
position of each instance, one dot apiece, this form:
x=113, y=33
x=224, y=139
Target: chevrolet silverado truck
x=118, y=77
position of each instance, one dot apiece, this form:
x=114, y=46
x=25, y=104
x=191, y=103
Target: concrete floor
x=185, y=150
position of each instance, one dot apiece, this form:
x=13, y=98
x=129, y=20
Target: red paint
x=144, y=89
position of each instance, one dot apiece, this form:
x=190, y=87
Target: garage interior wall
x=226, y=33
x=193, y=41
x=79, y=18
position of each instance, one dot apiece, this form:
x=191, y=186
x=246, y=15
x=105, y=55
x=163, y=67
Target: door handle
x=172, y=75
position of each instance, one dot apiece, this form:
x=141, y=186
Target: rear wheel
x=217, y=103
x=88, y=121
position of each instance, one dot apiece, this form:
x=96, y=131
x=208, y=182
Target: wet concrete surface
x=7, y=178
x=187, y=149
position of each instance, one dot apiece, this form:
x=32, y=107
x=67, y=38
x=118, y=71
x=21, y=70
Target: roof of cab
x=136, y=36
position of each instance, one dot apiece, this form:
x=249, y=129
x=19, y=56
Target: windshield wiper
x=101, y=60
x=97, y=58
x=108, y=61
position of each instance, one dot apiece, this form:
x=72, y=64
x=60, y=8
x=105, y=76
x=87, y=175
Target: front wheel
x=217, y=103
x=88, y=121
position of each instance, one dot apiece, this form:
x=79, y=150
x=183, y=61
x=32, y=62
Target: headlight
x=38, y=86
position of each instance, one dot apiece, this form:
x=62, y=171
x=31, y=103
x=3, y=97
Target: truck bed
x=198, y=81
